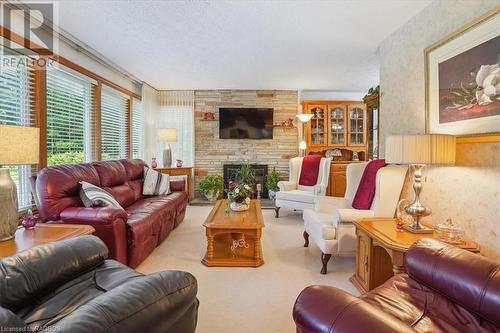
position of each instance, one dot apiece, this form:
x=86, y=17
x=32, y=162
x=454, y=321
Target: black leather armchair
x=69, y=286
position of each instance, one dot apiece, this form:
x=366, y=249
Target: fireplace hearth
x=260, y=171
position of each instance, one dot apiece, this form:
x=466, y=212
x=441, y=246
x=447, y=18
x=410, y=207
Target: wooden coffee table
x=233, y=238
x=43, y=233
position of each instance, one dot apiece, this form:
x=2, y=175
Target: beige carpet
x=249, y=299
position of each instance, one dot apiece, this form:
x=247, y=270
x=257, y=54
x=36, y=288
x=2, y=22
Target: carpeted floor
x=256, y=300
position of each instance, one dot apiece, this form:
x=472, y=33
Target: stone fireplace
x=260, y=172
x=212, y=153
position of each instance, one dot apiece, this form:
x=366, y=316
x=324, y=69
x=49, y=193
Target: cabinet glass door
x=357, y=120
x=318, y=128
x=337, y=125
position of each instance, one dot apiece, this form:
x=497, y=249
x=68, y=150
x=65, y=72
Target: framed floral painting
x=463, y=80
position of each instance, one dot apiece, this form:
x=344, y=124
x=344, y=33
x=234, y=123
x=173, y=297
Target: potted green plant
x=246, y=175
x=272, y=180
x=212, y=187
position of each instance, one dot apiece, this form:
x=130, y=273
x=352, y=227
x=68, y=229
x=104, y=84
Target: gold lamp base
x=419, y=230
x=416, y=209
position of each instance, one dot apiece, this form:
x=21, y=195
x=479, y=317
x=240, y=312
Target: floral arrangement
x=238, y=195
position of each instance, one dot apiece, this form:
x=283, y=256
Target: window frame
x=40, y=96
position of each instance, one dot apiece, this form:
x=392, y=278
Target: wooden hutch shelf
x=338, y=125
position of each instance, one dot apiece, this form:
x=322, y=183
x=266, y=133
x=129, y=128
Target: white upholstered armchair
x=329, y=223
x=295, y=196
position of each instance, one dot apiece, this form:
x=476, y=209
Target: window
x=137, y=129
x=16, y=108
x=177, y=111
x=114, y=124
x=69, y=117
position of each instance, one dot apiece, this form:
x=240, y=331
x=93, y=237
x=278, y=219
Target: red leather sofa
x=445, y=289
x=130, y=233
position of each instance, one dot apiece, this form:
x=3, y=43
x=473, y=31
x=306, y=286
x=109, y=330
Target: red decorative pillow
x=366, y=189
x=310, y=170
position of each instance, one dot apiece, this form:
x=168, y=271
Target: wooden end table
x=41, y=234
x=233, y=238
x=380, y=251
x=182, y=171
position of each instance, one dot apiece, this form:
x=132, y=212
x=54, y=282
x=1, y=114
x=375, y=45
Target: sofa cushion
x=155, y=183
x=58, y=188
x=111, y=173
x=94, y=196
x=134, y=169
x=296, y=195
x=319, y=224
x=71, y=295
x=423, y=309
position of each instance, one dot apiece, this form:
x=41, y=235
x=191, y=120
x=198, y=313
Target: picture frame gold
x=465, y=138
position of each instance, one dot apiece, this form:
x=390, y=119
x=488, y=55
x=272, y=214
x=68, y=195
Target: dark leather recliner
x=69, y=286
x=445, y=289
x=131, y=233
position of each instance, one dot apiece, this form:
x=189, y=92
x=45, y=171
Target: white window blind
x=177, y=111
x=17, y=108
x=70, y=129
x=137, y=129
x=114, y=124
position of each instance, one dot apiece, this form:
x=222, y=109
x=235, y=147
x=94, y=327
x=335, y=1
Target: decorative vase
x=271, y=194
x=238, y=207
x=29, y=221
x=8, y=206
x=154, y=164
x=211, y=196
x=178, y=163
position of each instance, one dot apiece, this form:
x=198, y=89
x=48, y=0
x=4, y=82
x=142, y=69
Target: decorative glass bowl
x=450, y=233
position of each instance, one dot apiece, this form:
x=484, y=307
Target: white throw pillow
x=155, y=183
x=94, y=196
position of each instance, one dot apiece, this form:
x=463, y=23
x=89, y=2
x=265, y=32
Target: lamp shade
x=420, y=149
x=167, y=134
x=302, y=145
x=305, y=117
x=19, y=145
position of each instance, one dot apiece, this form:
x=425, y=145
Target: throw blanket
x=366, y=189
x=310, y=170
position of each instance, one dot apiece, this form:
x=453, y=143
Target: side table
x=41, y=234
x=380, y=251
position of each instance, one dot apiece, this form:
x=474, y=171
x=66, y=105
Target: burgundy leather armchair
x=131, y=233
x=445, y=289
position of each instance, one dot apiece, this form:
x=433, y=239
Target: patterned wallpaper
x=468, y=192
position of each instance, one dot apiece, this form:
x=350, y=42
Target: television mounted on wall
x=246, y=123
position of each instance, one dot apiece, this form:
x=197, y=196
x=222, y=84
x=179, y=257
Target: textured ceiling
x=328, y=45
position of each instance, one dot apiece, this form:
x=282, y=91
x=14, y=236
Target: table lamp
x=419, y=151
x=167, y=135
x=19, y=145
x=304, y=118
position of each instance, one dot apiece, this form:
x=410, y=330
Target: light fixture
x=167, y=135
x=303, y=145
x=305, y=117
x=419, y=151
x=19, y=145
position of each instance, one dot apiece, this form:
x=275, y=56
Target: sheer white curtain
x=177, y=111
x=150, y=107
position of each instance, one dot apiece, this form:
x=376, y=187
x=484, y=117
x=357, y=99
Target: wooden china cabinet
x=337, y=129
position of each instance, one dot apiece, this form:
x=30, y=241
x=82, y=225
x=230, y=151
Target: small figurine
x=154, y=164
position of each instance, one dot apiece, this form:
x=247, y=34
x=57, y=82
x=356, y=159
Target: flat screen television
x=246, y=123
